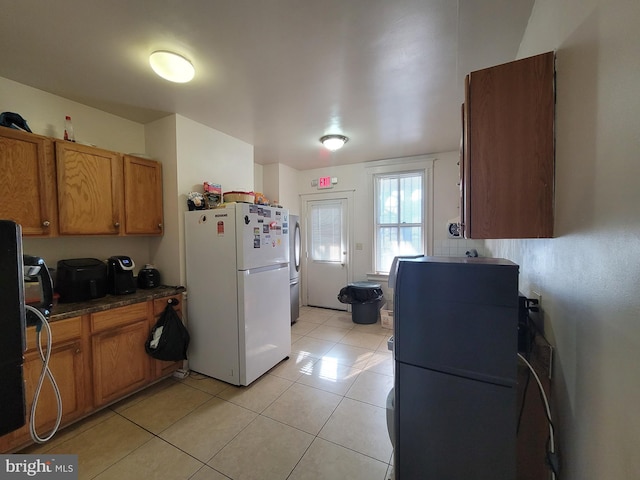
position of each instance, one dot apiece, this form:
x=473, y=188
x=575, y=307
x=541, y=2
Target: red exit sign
x=325, y=182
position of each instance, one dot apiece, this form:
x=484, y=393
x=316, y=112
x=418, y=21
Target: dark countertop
x=61, y=311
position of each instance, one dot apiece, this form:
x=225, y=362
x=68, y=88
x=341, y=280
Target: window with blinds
x=326, y=232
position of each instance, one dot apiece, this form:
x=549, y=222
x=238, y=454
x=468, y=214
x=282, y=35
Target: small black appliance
x=81, y=279
x=120, y=275
x=35, y=270
x=148, y=277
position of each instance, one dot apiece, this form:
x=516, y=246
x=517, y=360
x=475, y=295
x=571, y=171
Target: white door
x=327, y=253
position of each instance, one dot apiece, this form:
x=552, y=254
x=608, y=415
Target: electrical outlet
x=537, y=317
x=537, y=296
x=535, y=312
x=181, y=373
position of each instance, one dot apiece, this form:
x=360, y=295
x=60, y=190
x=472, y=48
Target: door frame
x=346, y=195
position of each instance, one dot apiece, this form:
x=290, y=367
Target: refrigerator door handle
x=275, y=266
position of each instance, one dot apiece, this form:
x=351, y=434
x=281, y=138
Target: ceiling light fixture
x=171, y=66
x=333, y=142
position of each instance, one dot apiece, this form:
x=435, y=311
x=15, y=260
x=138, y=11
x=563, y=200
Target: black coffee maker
x=120, y=275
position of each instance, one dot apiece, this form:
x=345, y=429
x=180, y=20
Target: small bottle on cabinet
x=68, y=129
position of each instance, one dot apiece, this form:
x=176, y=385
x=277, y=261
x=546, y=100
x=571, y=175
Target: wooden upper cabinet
x=508, y=150
x=54, y=187
x=27, y=182
x=89, y=190
x=142, y=196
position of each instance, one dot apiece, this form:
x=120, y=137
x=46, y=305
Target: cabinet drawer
x=159, y=304
x=118, y=316
x=61, y=331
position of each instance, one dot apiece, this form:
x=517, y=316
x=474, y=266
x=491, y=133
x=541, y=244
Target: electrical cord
x=524, y=398
x=551, y=456
x=530, y=332
x=45, y=372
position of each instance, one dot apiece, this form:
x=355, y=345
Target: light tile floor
x=319, y=415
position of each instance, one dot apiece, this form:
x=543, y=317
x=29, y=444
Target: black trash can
x=364, y=298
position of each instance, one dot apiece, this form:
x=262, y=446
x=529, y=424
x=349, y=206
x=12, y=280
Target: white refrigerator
x=237, y=261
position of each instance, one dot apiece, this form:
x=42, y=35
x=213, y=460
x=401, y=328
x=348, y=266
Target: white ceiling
x=277, y=74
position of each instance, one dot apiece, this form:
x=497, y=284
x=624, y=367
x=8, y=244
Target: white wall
x=192, y=153
x=271, y=181
x=205, y=154
x=355, y=178
x=258, y=174
x=161, y=142
x=589, y=274
x=289, y=196
x=280, y=183
x=45, y=114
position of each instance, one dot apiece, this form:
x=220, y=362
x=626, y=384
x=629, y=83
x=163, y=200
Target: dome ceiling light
x=171, y=66
x=333, y=142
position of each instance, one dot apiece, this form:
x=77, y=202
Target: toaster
x=148, y=277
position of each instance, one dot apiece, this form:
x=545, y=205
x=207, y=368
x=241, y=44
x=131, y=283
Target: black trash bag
x=13, y=120
x=169, y=338
x=359, y=294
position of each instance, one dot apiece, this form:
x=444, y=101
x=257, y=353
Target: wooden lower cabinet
x=67, y=364
x=160, y=368
x=120, y=363
x=96, y=359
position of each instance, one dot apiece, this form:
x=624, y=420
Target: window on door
x=399, y=216
x=326, y=231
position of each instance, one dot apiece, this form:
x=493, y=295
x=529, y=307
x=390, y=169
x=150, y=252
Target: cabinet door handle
x=78, y=351
x=46, y=223
x=117, y=224
x=160, y=226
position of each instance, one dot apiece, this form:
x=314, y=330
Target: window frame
x=377, y=207
x=385, y=168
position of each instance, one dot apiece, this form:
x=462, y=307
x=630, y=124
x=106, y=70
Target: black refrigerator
x=455, y=352
x=12, y=328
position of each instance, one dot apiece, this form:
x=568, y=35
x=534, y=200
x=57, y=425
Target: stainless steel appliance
x=294, y=266
x=120, y=275
x=237, y=261
x=455, y=347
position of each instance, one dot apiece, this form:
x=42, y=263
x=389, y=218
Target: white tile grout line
x=260, y=414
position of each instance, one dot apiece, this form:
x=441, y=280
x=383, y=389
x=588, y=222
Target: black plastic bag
x=169, y=338
x=13, y=120
x=360, y=293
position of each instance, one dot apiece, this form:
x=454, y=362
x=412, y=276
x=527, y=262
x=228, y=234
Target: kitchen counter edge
x=61, y=311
